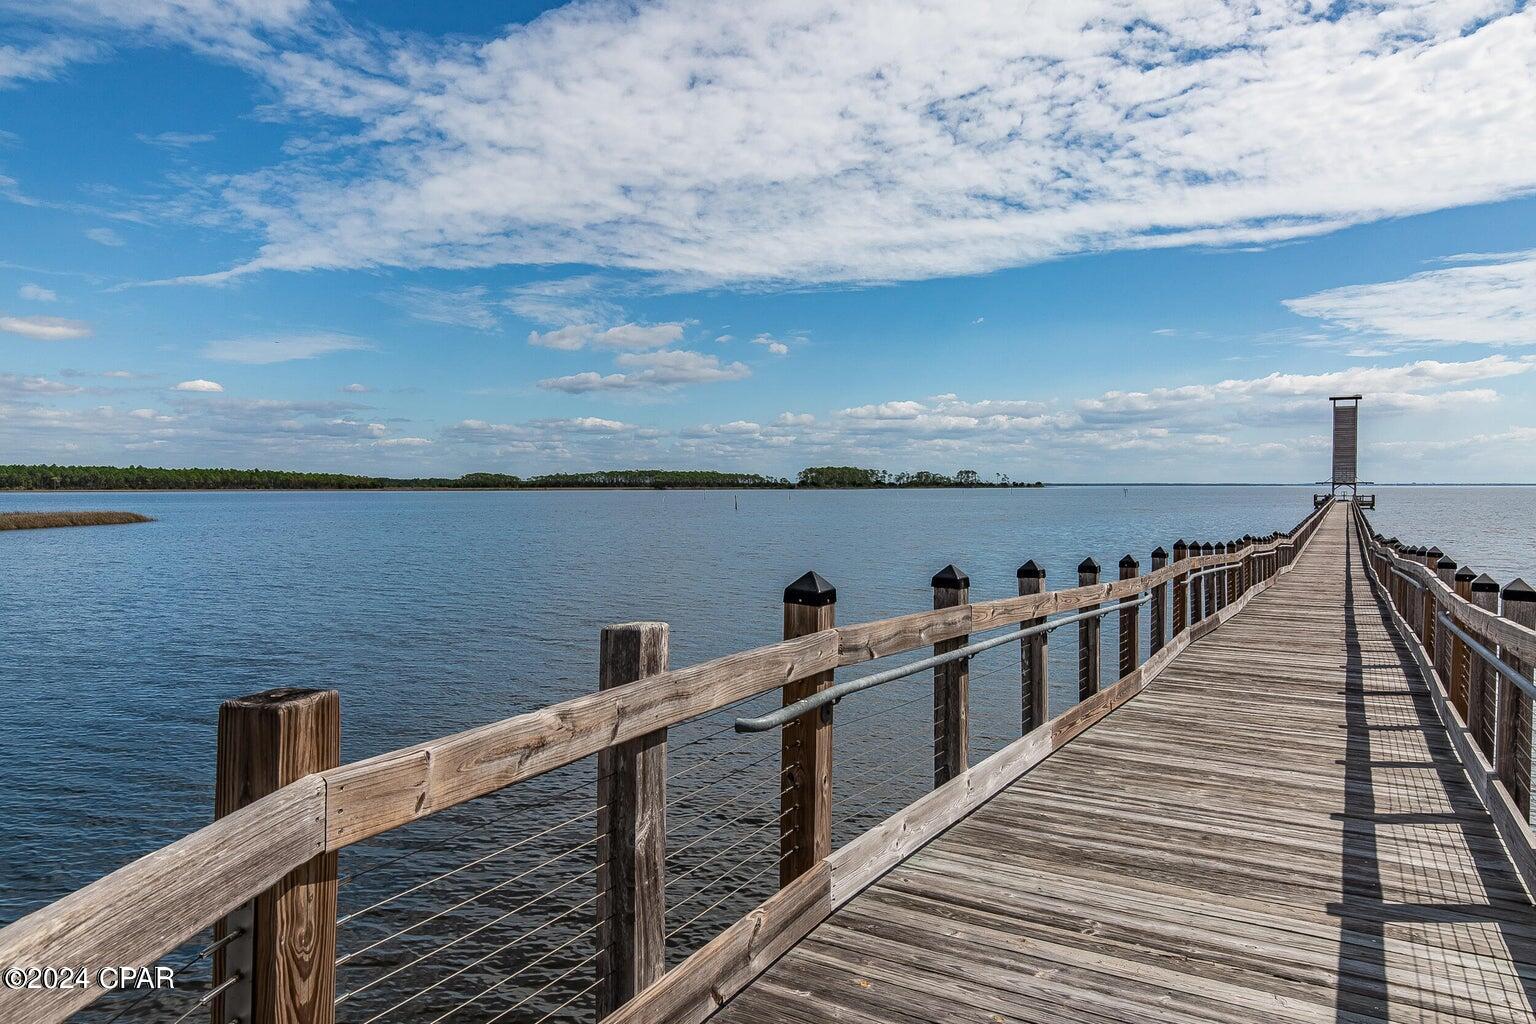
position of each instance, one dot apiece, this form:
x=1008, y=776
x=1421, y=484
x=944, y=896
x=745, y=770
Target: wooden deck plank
x=1278, y=830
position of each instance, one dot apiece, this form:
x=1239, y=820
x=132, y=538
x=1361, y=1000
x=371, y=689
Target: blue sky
x=1095, y=242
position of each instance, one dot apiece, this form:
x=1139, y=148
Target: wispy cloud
x=43, y=61
x=37, y=293
x=45, y=328
x=456, y=307
x=175, y=140
x=105, y=236
x=282, y=348
x=949, y=140
x=1483, y=298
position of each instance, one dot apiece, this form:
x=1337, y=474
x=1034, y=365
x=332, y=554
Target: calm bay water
x=434, y=612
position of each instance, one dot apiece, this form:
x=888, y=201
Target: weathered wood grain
x=368, y=797
x=265, y=742
x=632, y=823
x=951, y=685
x=805, y=808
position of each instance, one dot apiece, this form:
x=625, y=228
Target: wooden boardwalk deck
x=1277, y=831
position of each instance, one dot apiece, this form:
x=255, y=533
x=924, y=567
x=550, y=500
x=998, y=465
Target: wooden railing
x=1476, y=646
x=264, y=873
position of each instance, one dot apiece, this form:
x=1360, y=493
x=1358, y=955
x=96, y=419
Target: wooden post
x=1245, y=578
x=1157, y=623
x=1180, y=590
x=1444, y=641
x=1461, y=655
x=632, y=830
x=805, y=829
x=1032, y=655
x=1512, y=747
x=1481, y=695
x=1209, y=596
x=286, y=952
x=951, y=685
x=1234, y=574
x=1088, y=631
x=1130, y=621
x=1427, y=601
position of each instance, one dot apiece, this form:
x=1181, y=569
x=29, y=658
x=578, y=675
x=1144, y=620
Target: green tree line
x=149, y=478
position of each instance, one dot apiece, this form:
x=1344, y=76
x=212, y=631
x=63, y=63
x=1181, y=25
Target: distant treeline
x=148, y=478
x=854, y=476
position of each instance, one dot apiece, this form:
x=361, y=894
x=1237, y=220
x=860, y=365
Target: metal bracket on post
x=239, y=963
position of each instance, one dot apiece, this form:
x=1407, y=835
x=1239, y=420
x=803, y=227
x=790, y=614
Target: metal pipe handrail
x=1499, y=665
x=833, y=694
x=1398, y=572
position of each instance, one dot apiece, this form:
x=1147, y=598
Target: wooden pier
x=1306, y=798
x=1279, y=830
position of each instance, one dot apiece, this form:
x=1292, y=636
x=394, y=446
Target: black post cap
x=1484, y=584
x=1392, y=542
x=950, y=578
x=1088, y=565
x=1435, y=551
x=1465, y=574
x=1158, y=552
x=1206, y=548
x=1181, y=543
x=1031, y=571
x=1519, y=590
x=1129, y=562
x=1445, y=563
x=810, y=590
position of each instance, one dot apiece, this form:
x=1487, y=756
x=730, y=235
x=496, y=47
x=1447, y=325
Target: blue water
x=433, y=612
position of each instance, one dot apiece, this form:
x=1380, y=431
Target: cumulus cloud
x=1492, y=302
x=356, y=389
x=624, y=336
x=772, y=344
x=105, y=236
x=695, y=141
x=37, y=293
x=403, y=442
x=199, y=385
x=282, y=348
x=45, y=328
x=668, y=369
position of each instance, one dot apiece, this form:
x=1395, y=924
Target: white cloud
x=696, y=141
x=37, y=293
x=356, y=389
x=199, y=385
x=105, y=236
x=15, y=384
x=43, y=61
x=772, y=344
x=175, y=140
x=624, y=336
x=457, y=307
x=45, y=328
x=282, y=348
x=1493, y=303
x=652, y=370
x=403, y=442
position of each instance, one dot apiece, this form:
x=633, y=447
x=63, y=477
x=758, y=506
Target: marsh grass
x=42, y=520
